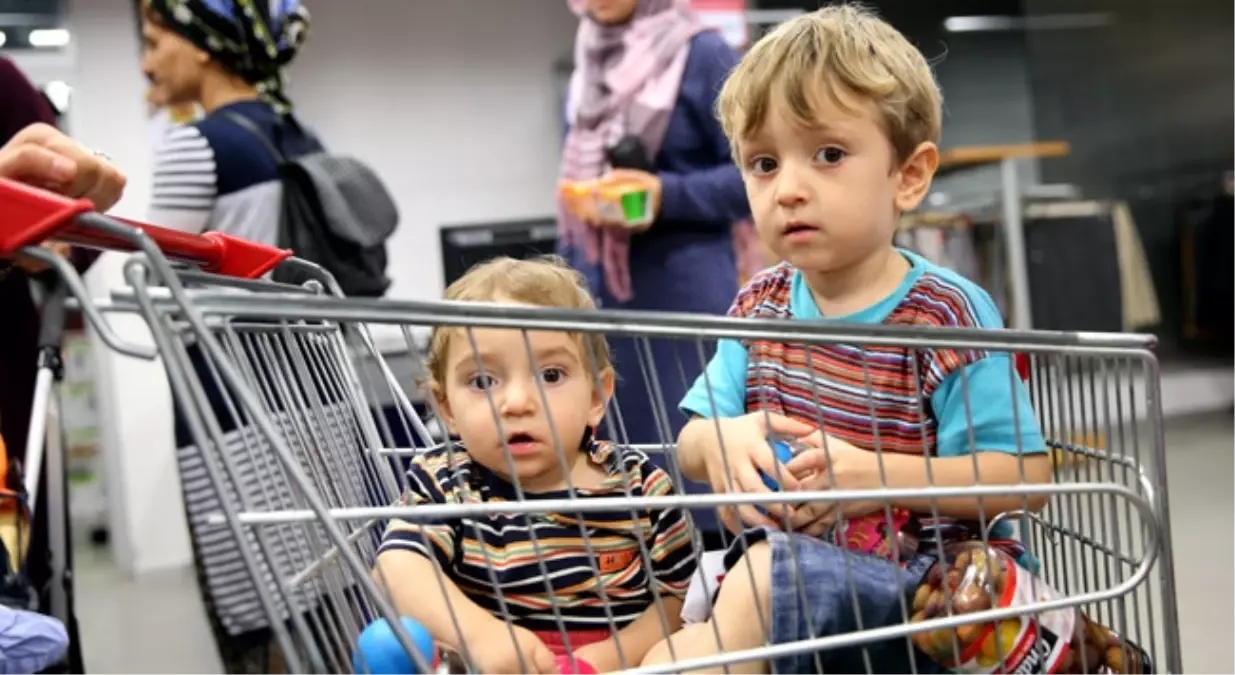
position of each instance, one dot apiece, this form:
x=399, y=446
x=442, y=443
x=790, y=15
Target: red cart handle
x=29, y=216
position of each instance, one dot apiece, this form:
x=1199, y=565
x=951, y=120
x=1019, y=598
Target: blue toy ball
x=784, y=453
x=379, y=651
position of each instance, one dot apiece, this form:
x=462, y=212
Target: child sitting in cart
x=834, y=119
x=524, y=407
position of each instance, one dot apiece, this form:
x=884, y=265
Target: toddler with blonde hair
x=834, y=119
x=523, y=406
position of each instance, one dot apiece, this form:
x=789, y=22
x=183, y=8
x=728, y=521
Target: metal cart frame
x=285, y=357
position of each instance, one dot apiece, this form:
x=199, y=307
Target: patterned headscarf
x=254, y=39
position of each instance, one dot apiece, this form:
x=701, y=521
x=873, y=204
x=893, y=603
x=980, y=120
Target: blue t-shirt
x=987, y=380
x=999, y=411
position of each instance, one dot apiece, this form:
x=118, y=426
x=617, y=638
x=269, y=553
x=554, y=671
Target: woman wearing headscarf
x=646, y=77
x=225, y=57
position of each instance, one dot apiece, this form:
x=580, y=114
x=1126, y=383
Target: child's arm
x=413, y=557
x=420, y=590
x=987, y=434
x=857, y=469
x=673, y=562
x=992, y=468
x=718, y=393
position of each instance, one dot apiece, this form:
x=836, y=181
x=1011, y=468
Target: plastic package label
x=1059, y=641
x=617, y=202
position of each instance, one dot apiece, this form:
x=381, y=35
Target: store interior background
x=457, y=106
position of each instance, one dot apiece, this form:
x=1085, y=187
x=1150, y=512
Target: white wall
x=454, y=103
x=460, y=117
x=108, y=114
x=987, y=101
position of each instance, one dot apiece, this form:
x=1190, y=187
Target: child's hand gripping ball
x=785, y=451
x=379, y=651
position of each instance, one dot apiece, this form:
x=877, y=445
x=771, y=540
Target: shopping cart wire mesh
x=303, y=431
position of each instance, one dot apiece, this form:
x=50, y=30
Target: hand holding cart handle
x=29, y=216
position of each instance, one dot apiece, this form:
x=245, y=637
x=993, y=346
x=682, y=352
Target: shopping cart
x=278, y=386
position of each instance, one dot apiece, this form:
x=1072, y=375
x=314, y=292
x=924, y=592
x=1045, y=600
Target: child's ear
x=600, y=397
x=916, y=174
x=443, y=407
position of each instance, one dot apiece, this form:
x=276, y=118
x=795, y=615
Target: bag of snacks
x=1059, y=641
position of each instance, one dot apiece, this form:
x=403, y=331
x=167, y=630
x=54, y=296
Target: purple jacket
x=21, y=106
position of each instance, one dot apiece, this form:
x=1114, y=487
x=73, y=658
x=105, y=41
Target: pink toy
x=580, y=666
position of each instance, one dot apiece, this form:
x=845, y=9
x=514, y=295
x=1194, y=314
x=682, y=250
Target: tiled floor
x=157, y=624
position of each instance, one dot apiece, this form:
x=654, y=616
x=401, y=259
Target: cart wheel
x=99, y=536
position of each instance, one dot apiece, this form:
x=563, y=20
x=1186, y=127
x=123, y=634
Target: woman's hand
x=737, y=448
x=851, y=468
x=492, y=651
x=41, y=156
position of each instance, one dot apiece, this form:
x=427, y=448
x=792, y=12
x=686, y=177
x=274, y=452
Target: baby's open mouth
x=522, y=443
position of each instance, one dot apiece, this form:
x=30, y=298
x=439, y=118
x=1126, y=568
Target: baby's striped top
x=525, y=566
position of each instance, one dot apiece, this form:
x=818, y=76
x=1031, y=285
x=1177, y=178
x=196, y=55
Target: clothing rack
x=1008, y=158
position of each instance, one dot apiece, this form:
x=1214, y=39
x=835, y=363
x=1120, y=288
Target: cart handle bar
x=29, y=216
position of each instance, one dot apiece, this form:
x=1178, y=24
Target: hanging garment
x=1136, y=284
x=944, y=239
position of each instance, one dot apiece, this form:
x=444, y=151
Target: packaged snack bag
x=1060, y=641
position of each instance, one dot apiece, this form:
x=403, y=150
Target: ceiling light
x=3, y=38
x=49, y=37
x=973, y=24
x=979, y=24
x=59, y=92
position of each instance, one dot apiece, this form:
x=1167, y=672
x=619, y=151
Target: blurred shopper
x=647, y=74
x=213, y=174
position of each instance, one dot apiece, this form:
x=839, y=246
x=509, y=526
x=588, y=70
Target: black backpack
x=335, y=212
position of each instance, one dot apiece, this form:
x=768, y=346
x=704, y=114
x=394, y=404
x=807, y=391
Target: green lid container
x=635, y=207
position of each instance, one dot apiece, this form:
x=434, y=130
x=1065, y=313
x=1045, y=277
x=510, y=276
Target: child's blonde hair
x=837, y=50
x=546, y=281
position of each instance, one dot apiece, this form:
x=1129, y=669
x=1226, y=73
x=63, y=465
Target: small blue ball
x=379, y=651
x=784, y=453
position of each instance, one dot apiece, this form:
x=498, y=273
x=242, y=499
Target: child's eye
x=762, y=165
x=830, y=155
x=552, y=375
x=481, y=382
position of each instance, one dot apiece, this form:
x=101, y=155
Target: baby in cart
x=834, y=119
x=523, y=408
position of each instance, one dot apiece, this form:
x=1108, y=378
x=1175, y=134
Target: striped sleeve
x=673, y=556
x=431, y=540
x=185, y=181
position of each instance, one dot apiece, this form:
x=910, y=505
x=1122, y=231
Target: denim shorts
x=819, y=589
